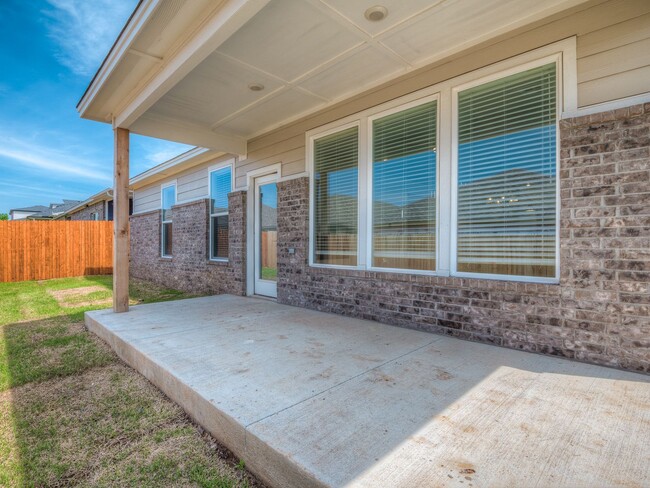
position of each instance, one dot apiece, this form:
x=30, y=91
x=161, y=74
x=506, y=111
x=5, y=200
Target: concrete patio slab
x=314, y=399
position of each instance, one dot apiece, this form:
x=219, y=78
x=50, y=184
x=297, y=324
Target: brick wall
x=84, y=214
x=190, y=269
x=598, y=313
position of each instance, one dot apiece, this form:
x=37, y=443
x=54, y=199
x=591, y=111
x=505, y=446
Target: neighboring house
x=478, y=169
x=97, y=207
x=41, y=212
x=23, y=213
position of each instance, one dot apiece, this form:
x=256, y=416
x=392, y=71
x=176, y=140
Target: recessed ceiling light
x=256, y=87
x=376, y=13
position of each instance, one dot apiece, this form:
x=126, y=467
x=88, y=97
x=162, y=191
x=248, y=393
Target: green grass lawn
x=270, y=274
x=71, y=413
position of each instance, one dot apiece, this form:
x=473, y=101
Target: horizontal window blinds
x=220, y=187
x=168, y=201
x=336, y=161
x=404, y=189
x=507, y=175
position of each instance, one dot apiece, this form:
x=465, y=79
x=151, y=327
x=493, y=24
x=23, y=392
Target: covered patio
x=313, y=399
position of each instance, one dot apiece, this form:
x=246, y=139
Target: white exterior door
x=265, y=239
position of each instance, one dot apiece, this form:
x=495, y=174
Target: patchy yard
x=71, y=413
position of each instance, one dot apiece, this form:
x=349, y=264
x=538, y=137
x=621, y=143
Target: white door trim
x=251, y=176
x=262, y=287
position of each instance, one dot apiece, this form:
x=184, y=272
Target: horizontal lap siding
x=146, y=199
x=41, y=250
x=191, y=185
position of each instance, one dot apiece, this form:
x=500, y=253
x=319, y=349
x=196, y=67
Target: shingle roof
x=43, y=212
x=35, y=208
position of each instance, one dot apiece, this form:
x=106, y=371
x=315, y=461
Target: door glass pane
x=268, y=245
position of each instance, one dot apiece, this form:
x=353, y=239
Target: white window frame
x=312, y=203
x=163, y=187
x=562, y=52
x=214, y=169
x=557, y=59
x=369, y=170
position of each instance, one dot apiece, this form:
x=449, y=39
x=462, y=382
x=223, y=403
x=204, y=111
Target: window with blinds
x=220, y=187
x=335, y=192
x=507, y=175
x=168, y=201
x=404, y=189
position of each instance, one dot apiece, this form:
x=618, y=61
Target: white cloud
x=147, y=152
x=48, y=158
x=84, y=30
x=164, y=154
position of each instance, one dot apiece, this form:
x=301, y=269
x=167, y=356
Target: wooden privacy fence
x=41, y=250
x=269, y=254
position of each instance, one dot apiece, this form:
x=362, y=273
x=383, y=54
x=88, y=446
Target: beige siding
x=613, y=50
x=146, y=199
x=191, y=184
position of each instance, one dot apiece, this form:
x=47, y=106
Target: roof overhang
x=187, y=160
x=183, y=70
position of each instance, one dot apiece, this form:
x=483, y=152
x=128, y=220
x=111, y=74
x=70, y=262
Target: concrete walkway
x=313, y=399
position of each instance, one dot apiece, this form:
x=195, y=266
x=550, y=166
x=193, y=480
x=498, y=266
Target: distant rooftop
x=43, y=212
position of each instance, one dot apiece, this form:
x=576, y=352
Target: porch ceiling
x=306, y=54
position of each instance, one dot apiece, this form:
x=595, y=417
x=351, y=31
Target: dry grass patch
x=84, y=296
x=110, y=426
x=48, y=348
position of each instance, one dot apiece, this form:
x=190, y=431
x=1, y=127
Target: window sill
x=218, y=262
x=395, y=273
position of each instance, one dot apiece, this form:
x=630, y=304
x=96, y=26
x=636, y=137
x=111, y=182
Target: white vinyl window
x=404, y=169
x=335, y=197
x=459, y=179
x=168, y=200
x=506, y=174
x=220, y=187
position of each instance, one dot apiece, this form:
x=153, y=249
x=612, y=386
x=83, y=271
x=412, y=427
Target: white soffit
x=198, y=98
x=312, y=53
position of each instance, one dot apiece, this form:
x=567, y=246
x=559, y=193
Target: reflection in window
x=220, y=187
x=507, y=175
x=168, y=201
x=335, y=198
x=404, y=189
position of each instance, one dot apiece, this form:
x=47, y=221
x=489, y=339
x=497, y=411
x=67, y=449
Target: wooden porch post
x=121, y=237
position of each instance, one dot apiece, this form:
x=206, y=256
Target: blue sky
x=49, y=51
